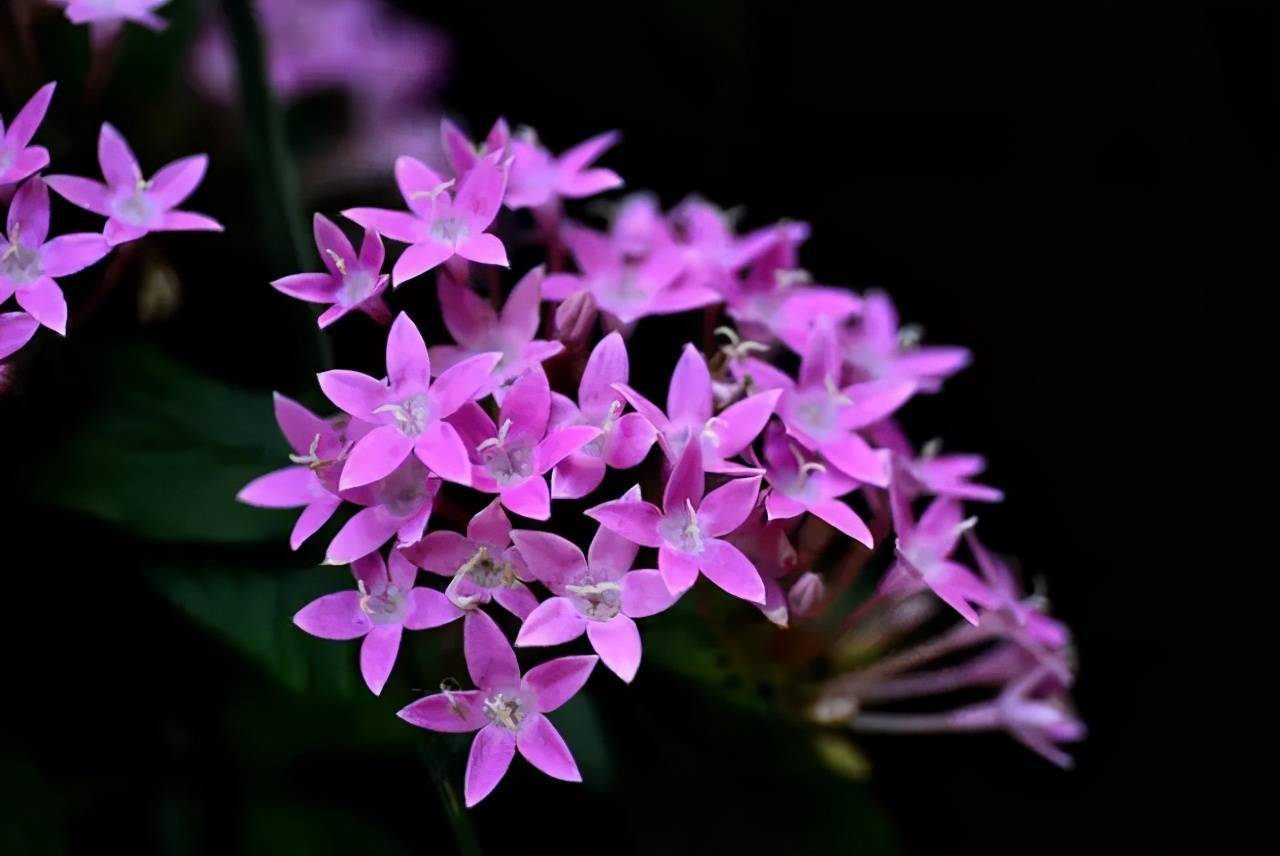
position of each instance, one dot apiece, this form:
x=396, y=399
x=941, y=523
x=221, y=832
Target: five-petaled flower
x=539, y=178
x=18, y=159
x=350, y=281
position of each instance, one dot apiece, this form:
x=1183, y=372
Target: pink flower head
x=539, y=178
x=800, y=483
x=824, y=417
x=924, y=557
x=478, y=329
x=875, y=348
x=132, y=204
x=597, y=594
x=482, y=567
x=408, y=409
x=312, y=482
x=397, y=504
x=463, y=154
x=16, y=329
x=767, y=545
x=690, y=401
x=625, y=438
x=116, y=12
x=439, y=225
x=29, y=263
x=17, y=159
x=512, y=459
x=384, y=605
x=713, y=254
x=932, y=473
x=1029, y=615
x=508, y=711
x=350, y=281
x=688, y=529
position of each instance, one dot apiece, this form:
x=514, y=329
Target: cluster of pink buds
x=754, y=465
x=30, y=261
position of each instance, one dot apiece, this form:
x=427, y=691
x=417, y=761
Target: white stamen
x=338, y=261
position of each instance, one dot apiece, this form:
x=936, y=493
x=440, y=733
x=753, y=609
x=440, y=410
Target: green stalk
x=435, y=755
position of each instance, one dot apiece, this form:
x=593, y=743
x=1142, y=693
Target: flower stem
x=434, y=755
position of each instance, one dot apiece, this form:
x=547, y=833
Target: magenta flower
x=508, y=711
x=512, y=460
x=133, y=205
x=690, y=400
x=824, y=417
x=539, y=178
x=924, y=557
x=687, y=529
x=713, y=254
x=384, y=605
x=800, y=483
x=116, y=12
x=463, y=154
x=598, y=594
x=876, y=348
x=16, y=329
x=349, y=282
x=17, y=159
x=1029, y=617
x=437, y=225
x=932, y=473
x=408, y=409
x=625, y=438
x=29, y=263
x=482, y=567
x=312, y=482
x=477, y=329
x=398, y=504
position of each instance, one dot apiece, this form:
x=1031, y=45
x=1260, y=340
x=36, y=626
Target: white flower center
x=386, y=607
x=20, y=264
x=508, y=708
x=411, y=415
x=600, y=601
x=681, y=529
x=507, y=465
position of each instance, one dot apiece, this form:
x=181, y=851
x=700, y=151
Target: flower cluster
x=748, y=464
x=31, y=262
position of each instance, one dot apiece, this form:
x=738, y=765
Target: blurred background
x=1074, y=191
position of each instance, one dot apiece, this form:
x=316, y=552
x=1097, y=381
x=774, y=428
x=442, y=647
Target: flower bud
x=806, y=596
x=575, y=318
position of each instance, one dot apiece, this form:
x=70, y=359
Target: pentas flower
x=1029, y=615
x=133, y=205
x=688, y=529
x=116, y=12
x=463, y=154
x=384, y=605
x=311, y=483
x=767, y=545
x=508, y=711
x=876, y=348
x=823, y=416
x=18, y=159
x=29, y=263
x=690, y=401
x=438, y=225
x=539, y=178
x=482, y=566
x=398, y=504
x=932, y=473
x=800, y=483
x=350, y=281
x=407, y=408
x=16, y=329
x=478, y=329
x=597, y=594
x=713, y=253
x=625, y=438
x=924, y=558
x=512, y=458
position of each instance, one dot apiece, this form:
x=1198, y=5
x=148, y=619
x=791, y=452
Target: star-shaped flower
x=18, y=159
x=350, y=281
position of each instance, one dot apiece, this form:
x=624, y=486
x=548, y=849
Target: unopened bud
x=575, y=318
x=807, y=595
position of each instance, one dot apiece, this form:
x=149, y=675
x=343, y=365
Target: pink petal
x=530, y=498
x=430, y=609
x=28, y=119
x=844, y=518
x=187, y=221
x=16, y=329
x=418, y=184
x=590, y=183
x=43, y=300
x=517, y=600
x=485, y=249
x=852, y=456
x=821, y=358
x=645, y=593
x=442, y=450
x=551, y=559
x=312, y=518
x=440, y=552
x=520, y=315
x=689, y=395
x=118, y=233
x=725, y=508
x=576, y=476
x=557, y=681
x=687, y=481
x=378, y=655
x=561, y=443
x=28, y=162
x=491, y=754
x=461, y=383
x=617, y=641
x=480, y=195
x=490, y=660
x=679, y=570
x=643, y=406
x=68, y=254
x=29, y=214
x=741, y=422
x=607, y=365
x=375, y=456
x=454, y=712
x=561, y=286
x=334, y=616
x=331, y=241
x=372, y=252
x=173, y=183
x=527, y=405
x=724, y=565
x=632, y=519
x=312, y=287
x=408, y=366
x=610, y=555
x=554, y=622
x=873, y=401
x=298, y=424
x=397, y=225
x=543, y=747
x=355, y=393
x=291, y=487
x=418, y=259
x=629, y=442
x=468, y=317
x=366, y=531
x=584, y=153
x=83, y=192
x=119, y=166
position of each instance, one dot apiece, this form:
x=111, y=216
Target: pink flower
x=349, y=282
x=800, y=483
x=713, y=254
x=690, y=401
x=824, y=417
x=767, y=545
x=477, y=329
x=463, y=154
x=508, y=711
x=17, y=159
x=598, y=594
x=932, y=473
x=16, y=329
x=687, y=529
x=133, y=205
x=512, y=459
x=625, y=438
x=875, y=348
x=408, y=409
x=398, y=504
x=1029, y=615
x=116, y=12
x=29, y=263
x=483, y=566
x=438, y=226
x=539, y=178
x=384, y=605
